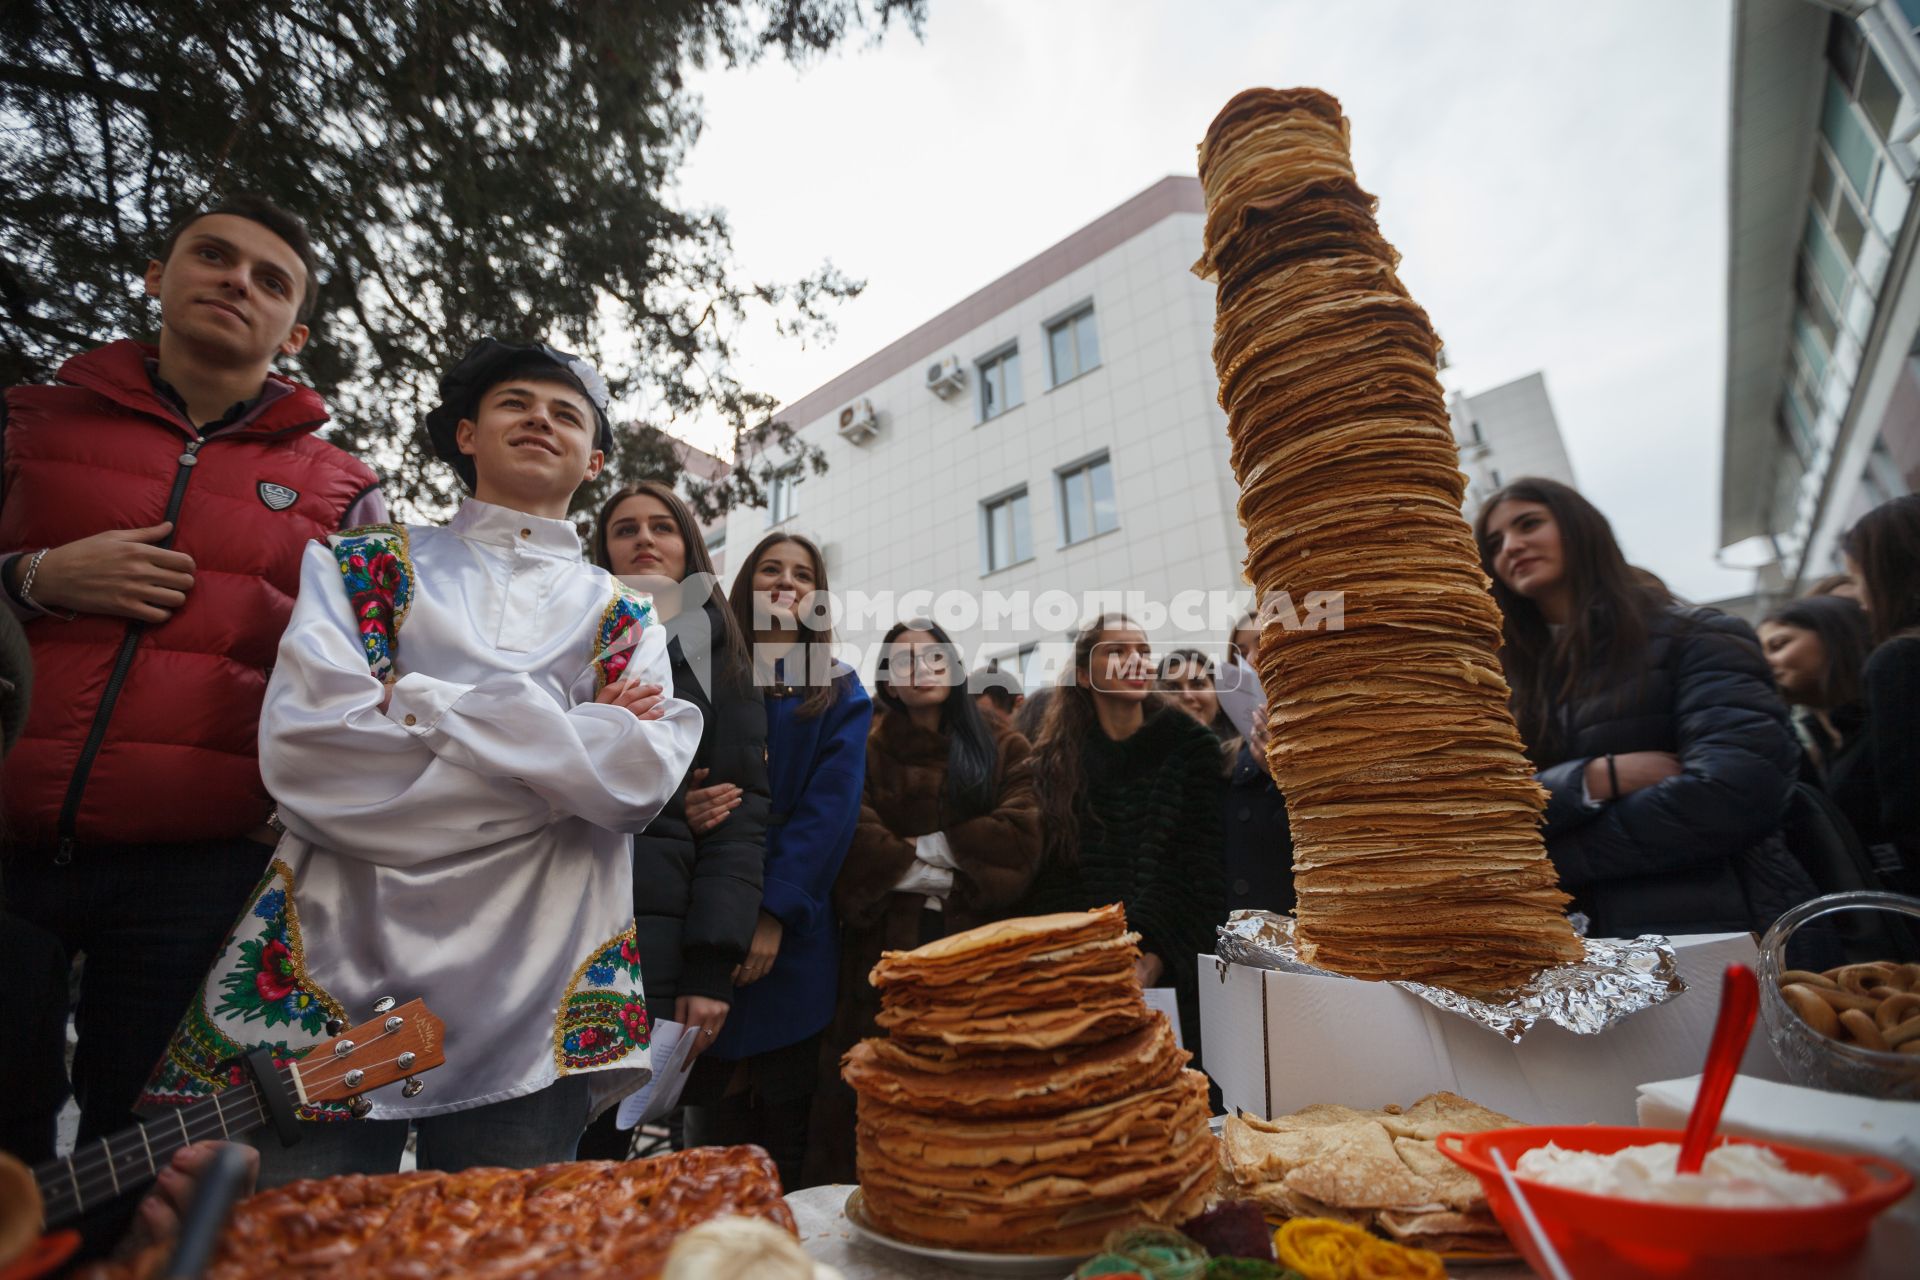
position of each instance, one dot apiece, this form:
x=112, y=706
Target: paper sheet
x=671, y=1051
x=1163, y=999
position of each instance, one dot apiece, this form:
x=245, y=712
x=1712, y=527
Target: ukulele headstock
x=396, y=1044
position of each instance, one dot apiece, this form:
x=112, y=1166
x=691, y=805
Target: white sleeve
x=360, y=783
x=592, y=761
x=933, y=850
x=925, y=879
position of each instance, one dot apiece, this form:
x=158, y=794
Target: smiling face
x=920, y=670
x=1524, y=544
x=1191, y=689
x=783, y=577
x=232, y=290
x=1799, y=661
x=644, y=540
x=1120, y=665
x=532, y=443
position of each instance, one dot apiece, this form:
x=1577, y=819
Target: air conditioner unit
x=946, y=378
x=858, y=422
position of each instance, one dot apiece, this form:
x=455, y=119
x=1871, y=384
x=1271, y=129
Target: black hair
x=972, y=755
x=1187, y=663
x=1841, y=625
x=736, y=668
x=1603, y=645
x=281, y=222
x=1885, y=546
x=997, y=685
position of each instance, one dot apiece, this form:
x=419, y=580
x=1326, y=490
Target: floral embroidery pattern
x=258, y=978
x=267, y=985
x=604, y=1015
x=621, y=626
x=379, y=579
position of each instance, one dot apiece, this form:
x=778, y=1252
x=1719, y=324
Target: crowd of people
x=565, y=792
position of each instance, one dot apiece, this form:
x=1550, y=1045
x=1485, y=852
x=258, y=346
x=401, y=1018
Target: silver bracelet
x=26, y=587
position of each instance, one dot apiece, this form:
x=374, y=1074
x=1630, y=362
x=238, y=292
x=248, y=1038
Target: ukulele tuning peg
x=383, y=1004
x=335, y=1026
x=359, y=1107
x=412, y=1087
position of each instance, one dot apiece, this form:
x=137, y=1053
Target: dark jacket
x=1149, y=840
x=997, y=852
x=1699, y=852
x=696, y=898
x=1259, y=842
x=150, y=733
x=1875, y=779
x=815, y=768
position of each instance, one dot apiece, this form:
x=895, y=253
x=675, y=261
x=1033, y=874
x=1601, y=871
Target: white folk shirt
x=467, y=846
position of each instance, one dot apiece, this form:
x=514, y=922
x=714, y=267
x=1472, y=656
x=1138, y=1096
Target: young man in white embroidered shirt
x=464, y=726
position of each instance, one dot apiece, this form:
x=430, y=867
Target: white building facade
x=1823, y=303
x=1054, y=436
x=1507, y=433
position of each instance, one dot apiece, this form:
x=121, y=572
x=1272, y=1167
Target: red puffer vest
x=144, y=733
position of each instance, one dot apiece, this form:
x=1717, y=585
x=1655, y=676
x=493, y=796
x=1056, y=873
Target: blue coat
x=815, y=771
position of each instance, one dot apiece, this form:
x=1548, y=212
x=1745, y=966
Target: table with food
x=1025, y=1112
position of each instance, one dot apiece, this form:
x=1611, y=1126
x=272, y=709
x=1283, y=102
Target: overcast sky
x=1553, y=173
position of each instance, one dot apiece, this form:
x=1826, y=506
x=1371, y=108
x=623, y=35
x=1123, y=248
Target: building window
x=999, y=382
x=1852, y=144
x=782, y=495
x=1006, y=536
x=1072, y=346
x=1086, y=500
x=1493, y=474
x=1473, y=428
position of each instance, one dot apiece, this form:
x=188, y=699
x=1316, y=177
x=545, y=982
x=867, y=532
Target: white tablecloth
x=828, y=1238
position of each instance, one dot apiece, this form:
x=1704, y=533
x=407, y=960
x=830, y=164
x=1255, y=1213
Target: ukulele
x=397, y=1044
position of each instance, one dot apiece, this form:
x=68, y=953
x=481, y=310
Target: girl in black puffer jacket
x=1668, y=756
x=697, y=869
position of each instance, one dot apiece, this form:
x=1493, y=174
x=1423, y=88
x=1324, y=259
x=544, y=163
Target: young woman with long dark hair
x=696, y=886
x=1879, y=788
x=1130, y=792
x=755, y=1084
x=949, y=836
x=1817, y=648
x=1655, y=728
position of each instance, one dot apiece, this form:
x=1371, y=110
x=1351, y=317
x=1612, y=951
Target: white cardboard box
x=1276, y=1042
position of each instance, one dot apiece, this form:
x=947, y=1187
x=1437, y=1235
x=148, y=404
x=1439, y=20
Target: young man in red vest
x=154, y=504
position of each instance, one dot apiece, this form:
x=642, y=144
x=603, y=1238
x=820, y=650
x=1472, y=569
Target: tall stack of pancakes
x=1025, y=1099
x=1417, y=849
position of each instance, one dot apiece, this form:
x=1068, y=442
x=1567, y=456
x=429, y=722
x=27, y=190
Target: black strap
x=1613, y=779
x=273, y=1091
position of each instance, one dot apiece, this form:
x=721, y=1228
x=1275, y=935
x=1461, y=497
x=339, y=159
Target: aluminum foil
x=1616, y=979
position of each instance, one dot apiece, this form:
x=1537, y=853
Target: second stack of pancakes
x=1025, y=1099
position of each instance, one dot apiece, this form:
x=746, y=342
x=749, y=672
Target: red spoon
x=1739, y=1001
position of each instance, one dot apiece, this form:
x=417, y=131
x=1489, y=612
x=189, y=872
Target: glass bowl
x=1817, y=1061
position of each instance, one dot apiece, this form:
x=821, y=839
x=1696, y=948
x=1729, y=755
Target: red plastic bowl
x=1609, y=1236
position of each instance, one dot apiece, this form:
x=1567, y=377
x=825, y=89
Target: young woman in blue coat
x=1655, y=728
x=756, y=1082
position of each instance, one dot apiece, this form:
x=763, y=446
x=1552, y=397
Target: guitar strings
x=249, y=1111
